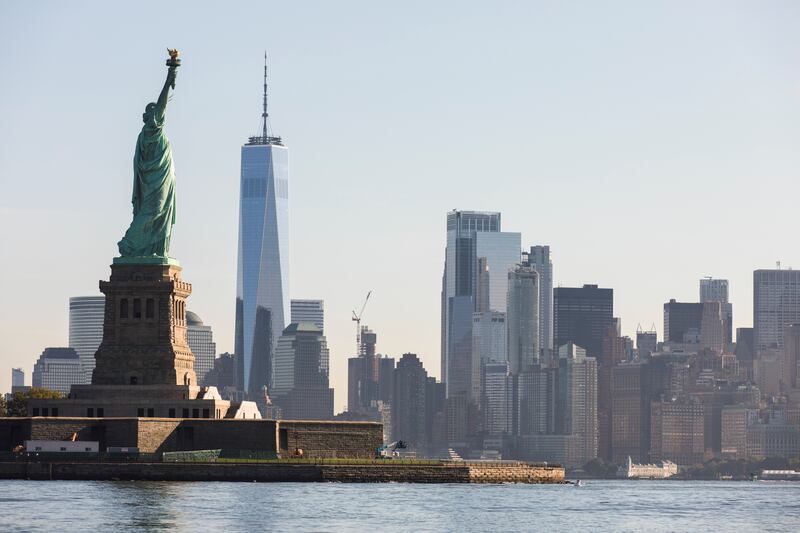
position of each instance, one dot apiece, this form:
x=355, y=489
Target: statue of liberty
x=153, y=183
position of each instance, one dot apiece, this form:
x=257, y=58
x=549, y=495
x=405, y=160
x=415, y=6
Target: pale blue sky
x=649, y=143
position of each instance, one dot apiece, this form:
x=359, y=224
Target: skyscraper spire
x=265, y=137
x=264, y=114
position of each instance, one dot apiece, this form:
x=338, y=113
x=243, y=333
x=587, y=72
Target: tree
x=2, y=406
x=601, y=468
x=18, y=406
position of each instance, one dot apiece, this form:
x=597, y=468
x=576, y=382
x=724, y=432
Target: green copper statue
x=147, y=238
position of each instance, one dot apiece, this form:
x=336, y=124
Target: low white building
x=660, y=470
x=61, y=446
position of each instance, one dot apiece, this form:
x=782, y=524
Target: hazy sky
x=648, y=143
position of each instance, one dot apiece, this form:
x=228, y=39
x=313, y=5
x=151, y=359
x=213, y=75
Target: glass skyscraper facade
x=539, y=259
x=302, y=366
x=776, y=305
x=309, y=311
x=583, y=316
x=478, y=258
x=716, y=290
x=262, y=286
x=523, y=319
x=86, y=329
x=201, y=341
x=58, y=369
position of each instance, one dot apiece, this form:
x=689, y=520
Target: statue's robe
x=153, y=192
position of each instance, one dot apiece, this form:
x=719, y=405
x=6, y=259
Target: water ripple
x=651, y=506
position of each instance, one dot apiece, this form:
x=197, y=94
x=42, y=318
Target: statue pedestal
x=144, y=328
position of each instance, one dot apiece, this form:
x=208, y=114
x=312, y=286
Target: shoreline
x=352, y=472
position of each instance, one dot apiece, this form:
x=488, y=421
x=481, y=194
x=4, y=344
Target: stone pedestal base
x=144, y=328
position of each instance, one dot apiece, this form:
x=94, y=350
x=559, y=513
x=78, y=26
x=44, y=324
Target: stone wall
x=201, y=434
x=330, y=439
x=514, y=473
x=364, y=473
x=61, y=429
x=157, y=435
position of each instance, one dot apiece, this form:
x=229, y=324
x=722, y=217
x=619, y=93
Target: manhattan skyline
x=644, y=163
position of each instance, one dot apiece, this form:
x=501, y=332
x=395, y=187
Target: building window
x=195, y=413
x=123, y=308
x=45, y=411
x=35, y=411
x=137, y=308
x=90, y=412
x=151, y=412
x=55, y=411
x=206, y=413
x=185, y=412
x=172, y=412
x=134, y=380
x=140, y=412
x=150, y=308
x=100, y=412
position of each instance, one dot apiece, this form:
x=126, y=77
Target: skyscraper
x=682, y=321
x=222, y=374
x=539, y=259
x=776, y=304
x=86, y=329
x=713, y=290
x=201, y=341
x=370, y=377
x=712, y=327
x=489, y=336
x=716, y=290
x=409, y=411
x=583, y=316
x=262, y=286
x=745, y=352
x=58, y=369
x=791, y=356
x=535, y=409
x=473, y=238
x=629, y=413
x=522, y=318
x=576, y=405
x=309, y=311
x=646, y=342
x=498, y=401
x=302, y=366
x=677, y=430
x=17, y=379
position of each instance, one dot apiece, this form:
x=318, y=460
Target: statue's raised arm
x=161, y=105
x=173, y=63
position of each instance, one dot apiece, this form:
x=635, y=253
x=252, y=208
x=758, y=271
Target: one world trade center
x=262, y=284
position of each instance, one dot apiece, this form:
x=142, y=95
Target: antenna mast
x=264, y=114
x=265, y=137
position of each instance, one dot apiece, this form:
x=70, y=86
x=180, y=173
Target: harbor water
x=599, y=505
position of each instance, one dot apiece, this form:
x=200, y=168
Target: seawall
x=445, y=472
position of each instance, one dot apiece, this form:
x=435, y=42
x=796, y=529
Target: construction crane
x=357, y=319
